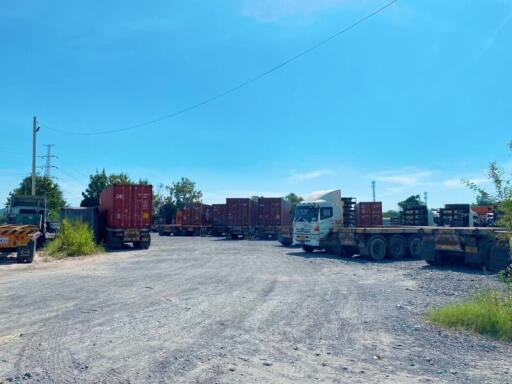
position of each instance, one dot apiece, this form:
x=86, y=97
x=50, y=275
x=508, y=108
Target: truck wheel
x=439, y=259
x=308, y=248
x=25, y=254
x=145, y=244
x=285, y=242
x=377, y=248
x=415, y=247
x=397, y=247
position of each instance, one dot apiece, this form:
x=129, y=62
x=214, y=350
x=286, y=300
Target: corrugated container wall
x=196, y=214
x=369, y=214
x=273, y=211
x=219, y=215
x=127, y=206
x=85, y=215
x=241, y=212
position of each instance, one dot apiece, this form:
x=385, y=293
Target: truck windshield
x=306, y=213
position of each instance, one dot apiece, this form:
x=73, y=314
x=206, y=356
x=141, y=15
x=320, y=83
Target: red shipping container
x=369, y=214
x=196, y=214
x=127, y=206
x=273, y=211
x=241, y=212
x=219, y=215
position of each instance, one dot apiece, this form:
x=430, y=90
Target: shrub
x=74, y=238
x=488, y=313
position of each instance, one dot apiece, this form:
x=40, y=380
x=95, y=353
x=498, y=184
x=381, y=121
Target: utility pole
x=48, y=161
x=35, y=128
x=373, y=191
x=425, y=198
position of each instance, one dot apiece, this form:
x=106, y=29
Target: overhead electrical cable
x=236, y=87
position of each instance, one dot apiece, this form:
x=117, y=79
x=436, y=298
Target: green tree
x=391, y=213
x=410, y=202
x=45, y=186
x=184, y=191
x=119, y=178
x=100, y=181
x=178, y=193
x=293, y=199
x=97, y=183
x=502, y=194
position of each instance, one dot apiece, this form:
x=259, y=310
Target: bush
x=488, y=313
x=74, y=238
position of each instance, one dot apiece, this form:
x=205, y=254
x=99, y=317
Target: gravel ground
x=202, y=310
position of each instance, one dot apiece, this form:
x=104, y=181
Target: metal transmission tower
x=373, y=191
x=48, y=161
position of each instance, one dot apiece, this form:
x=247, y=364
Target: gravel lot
x=202, y=310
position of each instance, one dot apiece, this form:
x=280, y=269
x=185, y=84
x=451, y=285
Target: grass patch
x=75, y=238
x=488, y=313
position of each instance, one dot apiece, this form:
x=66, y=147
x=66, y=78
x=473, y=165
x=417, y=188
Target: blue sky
x=415, y=98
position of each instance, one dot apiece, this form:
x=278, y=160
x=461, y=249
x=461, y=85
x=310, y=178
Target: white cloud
x=457, y=183
x=405, y=177
x=309, y=175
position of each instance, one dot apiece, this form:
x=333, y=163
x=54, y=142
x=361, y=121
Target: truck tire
x=397, y=247
x=308, y=248
x=377, y=248
x=415, y=247
x=145, y=244
x=286, y=242
x=439, y=259
x=25, y=254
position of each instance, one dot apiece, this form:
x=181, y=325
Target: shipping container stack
x=394, y=221
x=272, y=214
x=487, y=215
x=456, y=215
x=415, y=216
x=349, y=211
x=241, y=217
x=369, y=214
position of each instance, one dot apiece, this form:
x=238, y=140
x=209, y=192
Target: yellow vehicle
x=25, y=227
x=21, y=239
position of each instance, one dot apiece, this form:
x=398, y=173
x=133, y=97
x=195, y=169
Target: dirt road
x=202, y=310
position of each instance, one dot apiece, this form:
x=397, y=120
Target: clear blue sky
x=415, y=98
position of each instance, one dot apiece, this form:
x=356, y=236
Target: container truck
x=194, y=219
x=273, y=213
x=125, y=215
x=241, y=217
x=318, y=224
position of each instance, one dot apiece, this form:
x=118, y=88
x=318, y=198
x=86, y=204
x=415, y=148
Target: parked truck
x=125, y=215
x=318, y=224
x=25, y=229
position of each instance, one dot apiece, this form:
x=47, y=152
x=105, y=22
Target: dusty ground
x=197, y=310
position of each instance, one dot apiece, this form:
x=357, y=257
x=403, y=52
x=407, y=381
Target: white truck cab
x=316, y=217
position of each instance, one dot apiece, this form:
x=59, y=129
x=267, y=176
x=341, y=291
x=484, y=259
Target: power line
x=237, y=87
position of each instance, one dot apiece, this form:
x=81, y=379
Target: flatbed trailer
x=487, y=248
x=184, y=230
x=21, y=239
